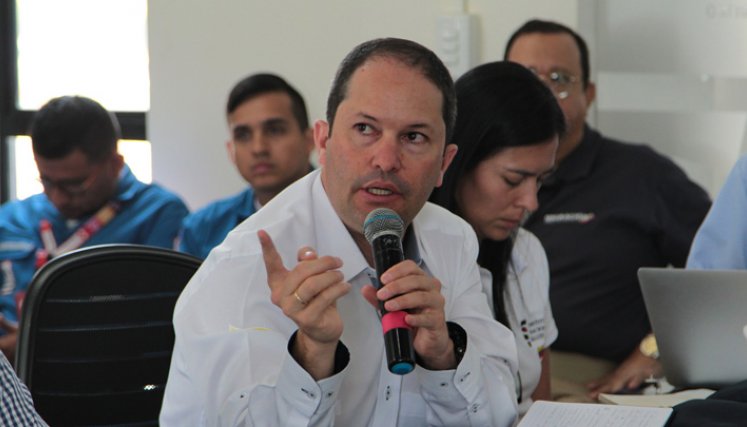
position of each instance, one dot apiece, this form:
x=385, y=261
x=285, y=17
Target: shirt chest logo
x=533, y=331
x=569, y=217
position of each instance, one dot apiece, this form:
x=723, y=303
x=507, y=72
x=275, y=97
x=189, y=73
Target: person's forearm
x=318, y=359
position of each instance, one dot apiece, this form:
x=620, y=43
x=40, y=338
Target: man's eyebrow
x=241, y=126
x=275, y=121
x=367, y=116
x=420, y=126
x=409, y=126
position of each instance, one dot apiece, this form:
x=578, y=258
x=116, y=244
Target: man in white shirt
x=269, y=331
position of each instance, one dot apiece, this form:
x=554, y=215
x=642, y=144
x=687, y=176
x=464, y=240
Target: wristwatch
x=648, y=346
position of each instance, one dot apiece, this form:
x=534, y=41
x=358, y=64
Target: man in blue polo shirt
x=90, y=197
x=270, y=144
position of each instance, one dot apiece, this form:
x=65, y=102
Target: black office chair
x=96, y=335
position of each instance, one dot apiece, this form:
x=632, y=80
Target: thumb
x=306, y=253
x=369, y=293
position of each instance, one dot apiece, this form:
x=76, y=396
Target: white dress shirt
x=231, y=365
x=528, y=309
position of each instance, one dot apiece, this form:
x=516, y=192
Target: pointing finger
x=273, y=262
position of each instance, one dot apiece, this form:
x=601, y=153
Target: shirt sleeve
x=188, y=240
x=16, y=405
x=223, y=370
x=166, y=224
x=680, y=206
x=721, y=241
x=541, y=264
x=481, y=389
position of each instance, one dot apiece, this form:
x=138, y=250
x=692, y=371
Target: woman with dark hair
x=507, y=129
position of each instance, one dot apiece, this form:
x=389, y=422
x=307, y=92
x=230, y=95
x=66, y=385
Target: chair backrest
x=96, y=333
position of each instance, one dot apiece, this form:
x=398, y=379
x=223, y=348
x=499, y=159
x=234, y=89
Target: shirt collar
x=248, y=205
x=579, y=162
x=127, y=187
x=333, y=238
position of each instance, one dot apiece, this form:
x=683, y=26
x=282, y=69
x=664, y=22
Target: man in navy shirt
x=270, y=145
x=90, y=197
x=610, y=208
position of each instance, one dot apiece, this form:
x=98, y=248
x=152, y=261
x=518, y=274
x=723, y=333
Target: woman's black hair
x=501, y=104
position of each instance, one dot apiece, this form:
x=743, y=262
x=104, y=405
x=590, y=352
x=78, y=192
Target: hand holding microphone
x=383, y=229
x=414, y=296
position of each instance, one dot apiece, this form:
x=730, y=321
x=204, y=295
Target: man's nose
x=387, y=153
x=260, y=143
x=57, y=196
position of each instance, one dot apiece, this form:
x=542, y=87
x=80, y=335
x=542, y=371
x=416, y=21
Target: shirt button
x=475, y=407
x=444, y=384
x=308, y=393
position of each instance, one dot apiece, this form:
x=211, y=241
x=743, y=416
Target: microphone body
x=383, y=229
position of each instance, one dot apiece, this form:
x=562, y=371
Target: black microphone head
x=382, y=221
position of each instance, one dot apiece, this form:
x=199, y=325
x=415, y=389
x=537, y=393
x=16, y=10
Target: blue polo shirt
x=206, y=228
x=148, y=215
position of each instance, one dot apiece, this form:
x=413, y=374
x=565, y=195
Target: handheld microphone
x=383, y=229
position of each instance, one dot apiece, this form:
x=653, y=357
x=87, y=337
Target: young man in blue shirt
x=270, y=144
x=90, y=197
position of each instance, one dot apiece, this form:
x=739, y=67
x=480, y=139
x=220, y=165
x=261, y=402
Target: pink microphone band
x=394, y=320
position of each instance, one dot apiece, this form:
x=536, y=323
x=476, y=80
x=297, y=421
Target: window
x=50, y=48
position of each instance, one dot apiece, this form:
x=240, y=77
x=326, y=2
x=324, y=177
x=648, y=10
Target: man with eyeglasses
x=90, y=197
x=610, y=208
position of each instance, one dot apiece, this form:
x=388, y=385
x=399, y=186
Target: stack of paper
x=556, y=414
x=656, y=400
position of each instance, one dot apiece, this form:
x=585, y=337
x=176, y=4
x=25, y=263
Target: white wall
x=199, y=49
x=673, y=75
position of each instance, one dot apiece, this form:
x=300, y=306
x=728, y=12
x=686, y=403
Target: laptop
x=699, y=318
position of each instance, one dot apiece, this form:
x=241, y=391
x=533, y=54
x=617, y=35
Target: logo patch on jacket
x=569, y=217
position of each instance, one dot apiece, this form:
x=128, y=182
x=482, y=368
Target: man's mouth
x=379, y=191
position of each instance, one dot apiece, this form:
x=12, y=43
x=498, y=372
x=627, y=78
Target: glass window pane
x=136, y=153
x=94, y=48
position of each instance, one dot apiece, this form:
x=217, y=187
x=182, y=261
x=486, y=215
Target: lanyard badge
x=79, y=237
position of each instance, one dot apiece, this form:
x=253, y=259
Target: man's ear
x=321, y=137
x=309, y=139
x=590, y=93
x=449, y=154
x=231, y=150
x=117, y=163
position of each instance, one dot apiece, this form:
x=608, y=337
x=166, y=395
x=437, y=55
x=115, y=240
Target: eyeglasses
x=559, y=82
x=71, y=187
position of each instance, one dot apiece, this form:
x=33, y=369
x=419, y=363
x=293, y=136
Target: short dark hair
x=262, y=83
x=407, y=52
x=501, y=105
x=67, y=123
x=550, y=27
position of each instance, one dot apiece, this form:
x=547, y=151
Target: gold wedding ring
x=295, y=294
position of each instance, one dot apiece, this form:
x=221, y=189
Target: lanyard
x=79, y=237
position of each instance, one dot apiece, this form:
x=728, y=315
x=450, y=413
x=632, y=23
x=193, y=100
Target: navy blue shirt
x=147, y=215
x=610, y=208
x=206, y=228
